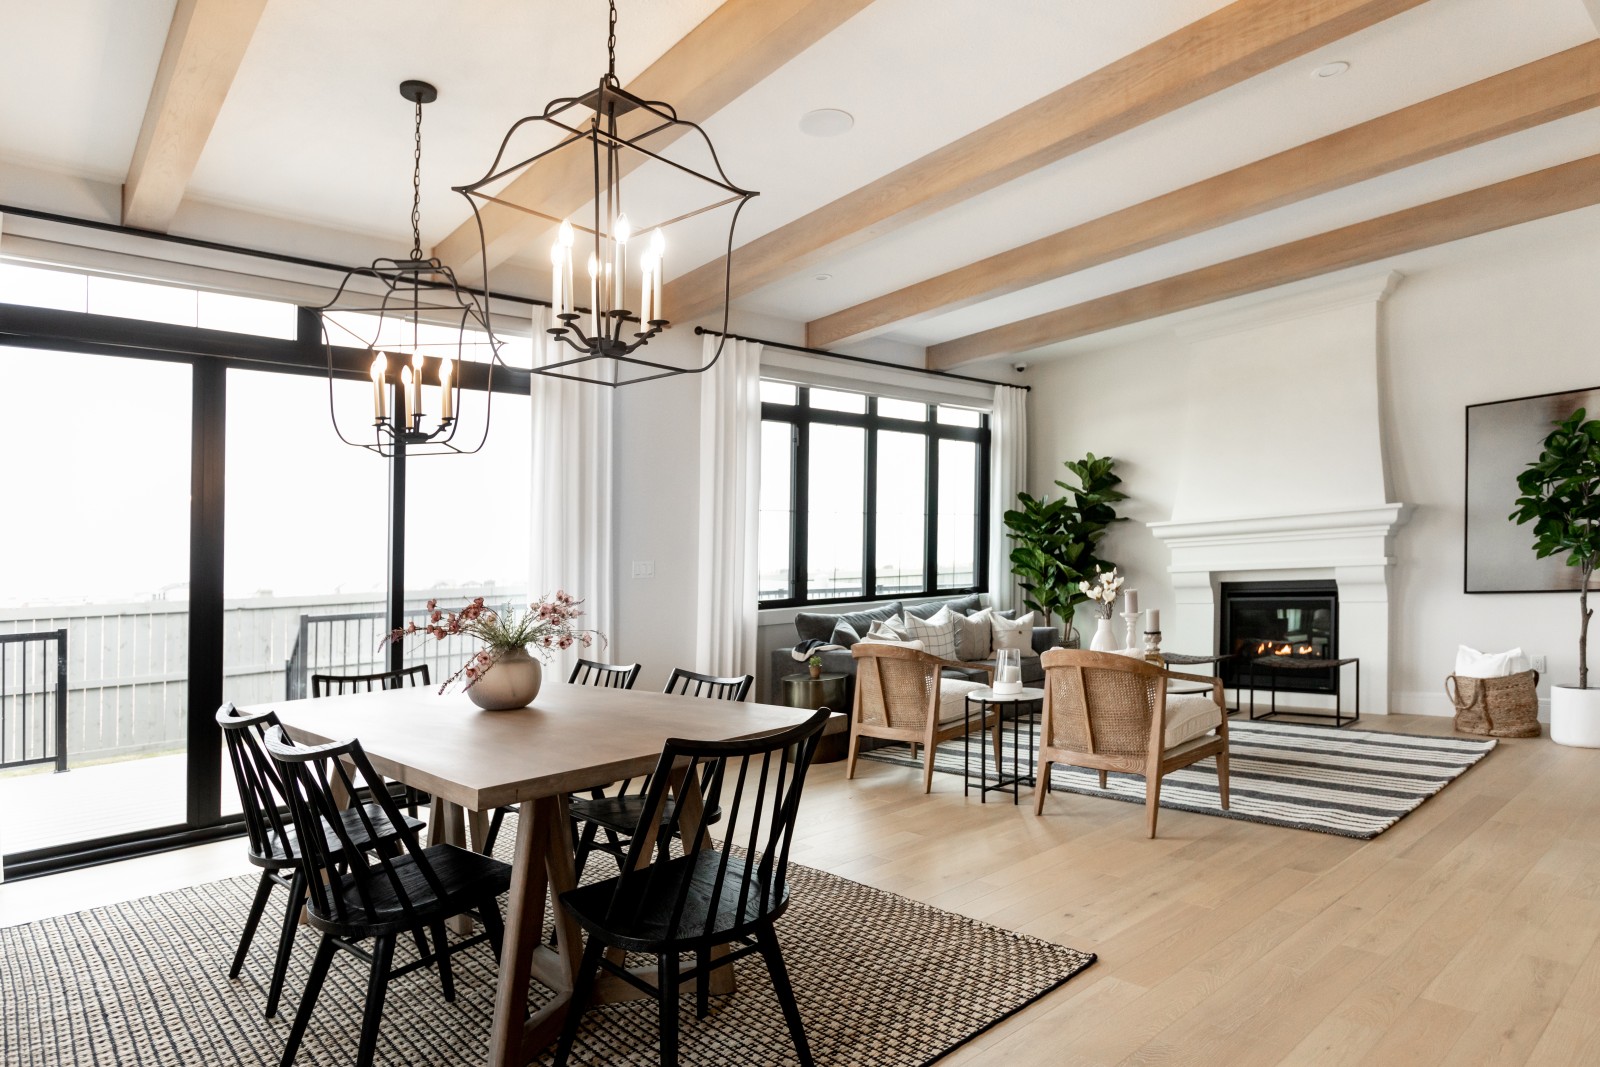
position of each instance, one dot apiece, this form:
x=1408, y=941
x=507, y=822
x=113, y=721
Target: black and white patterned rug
x=1354, y=783
x=880, y=980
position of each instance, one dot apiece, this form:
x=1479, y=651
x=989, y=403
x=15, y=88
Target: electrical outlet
x=1539, y=664
x=644, y=568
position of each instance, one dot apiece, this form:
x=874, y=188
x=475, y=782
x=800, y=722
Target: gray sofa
x=825, y=627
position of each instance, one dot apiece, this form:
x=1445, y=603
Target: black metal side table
x=1178, y=659
x=1273, y=665
x=823, y=691
x=1017, y=705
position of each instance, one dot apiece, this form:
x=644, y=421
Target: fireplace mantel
x=1340, y=537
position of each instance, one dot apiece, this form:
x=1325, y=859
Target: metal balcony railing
x=33, y=699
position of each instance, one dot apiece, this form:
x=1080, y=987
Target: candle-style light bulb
x=558, y=271
x=380, y=399
x=647, y=266
x=658, y=254
x=567, y=237
x=416, y=387
x=594, y=296
x=406, y=393
x=447, y=399
x=623, y=230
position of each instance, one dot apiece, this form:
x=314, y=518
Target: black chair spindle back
x=606, y=675
x=308, y=777
x=689, y=683
x=756, y=782
x=261, y=792
x=326, y=685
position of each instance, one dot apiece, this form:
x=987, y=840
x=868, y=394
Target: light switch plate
x=1540, y=664
x=644, y=568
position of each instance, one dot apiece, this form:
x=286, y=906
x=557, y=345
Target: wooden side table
x=825, y=691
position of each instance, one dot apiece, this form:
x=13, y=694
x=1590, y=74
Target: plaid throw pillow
x=938, y=634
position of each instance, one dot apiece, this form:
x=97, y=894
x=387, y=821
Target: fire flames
x=1273, y=648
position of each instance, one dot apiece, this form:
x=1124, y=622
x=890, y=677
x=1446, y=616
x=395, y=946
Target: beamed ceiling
x=1021, y=175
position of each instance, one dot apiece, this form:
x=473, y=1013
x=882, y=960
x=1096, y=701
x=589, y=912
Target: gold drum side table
x=826, y=691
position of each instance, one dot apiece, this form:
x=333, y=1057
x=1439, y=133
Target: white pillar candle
x=380, y=400
x=1130, y=602
x=447, y=400
x=1153, y=620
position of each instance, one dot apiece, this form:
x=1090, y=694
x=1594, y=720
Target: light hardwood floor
x=1465, y=935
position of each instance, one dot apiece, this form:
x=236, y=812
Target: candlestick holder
x=1130, y=636
x=1152, y=643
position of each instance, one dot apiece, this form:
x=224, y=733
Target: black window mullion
x=801, y=518
x=930, y=519
x=869, y=515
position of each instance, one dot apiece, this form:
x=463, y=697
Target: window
x=866, y=498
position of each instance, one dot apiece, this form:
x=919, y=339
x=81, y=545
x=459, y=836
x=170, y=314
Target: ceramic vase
x=1104, y=640
x=512, y=682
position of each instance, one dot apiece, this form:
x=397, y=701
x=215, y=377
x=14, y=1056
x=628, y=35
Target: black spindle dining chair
x=708, y=896
x=273, y=839
x=609, y=675
x=618, y=813
x=584, y=672
x=382, y=895
x=327, y=685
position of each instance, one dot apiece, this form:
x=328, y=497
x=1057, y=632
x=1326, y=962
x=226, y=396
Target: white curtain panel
x=1008, y=458
x=571, y=513
x=730, y=485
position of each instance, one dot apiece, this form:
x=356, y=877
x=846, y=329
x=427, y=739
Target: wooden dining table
x=570, y=739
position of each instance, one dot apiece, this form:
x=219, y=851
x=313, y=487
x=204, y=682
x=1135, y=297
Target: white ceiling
x=314, y=138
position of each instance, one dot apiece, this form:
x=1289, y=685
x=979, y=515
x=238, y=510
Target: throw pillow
x=889, y=630
x=956, y=606
x=938, y=634
x=917, y=645
x=1470, y=663
x=974, y=637
x=1014, y=633
x=844, y=635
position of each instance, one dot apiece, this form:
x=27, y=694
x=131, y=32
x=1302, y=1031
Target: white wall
x=1504, y=315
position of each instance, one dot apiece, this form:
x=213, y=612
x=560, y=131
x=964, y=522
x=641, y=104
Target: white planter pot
x=512, y=682
x=1575, y=716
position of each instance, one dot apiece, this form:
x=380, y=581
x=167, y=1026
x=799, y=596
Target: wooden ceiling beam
x=1543, y=193
x=1218, y=51
x=1547, y=89
x=738, y=45
x=205, y=45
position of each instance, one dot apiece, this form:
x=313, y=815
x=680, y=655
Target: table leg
x=449, y=827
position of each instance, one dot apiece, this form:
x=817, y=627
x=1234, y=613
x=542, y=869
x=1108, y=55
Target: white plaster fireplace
x=1282, y=471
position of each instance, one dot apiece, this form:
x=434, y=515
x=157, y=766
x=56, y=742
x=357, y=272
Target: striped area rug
x=1353, y=783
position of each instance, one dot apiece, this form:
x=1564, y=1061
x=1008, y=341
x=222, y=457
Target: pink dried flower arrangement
x=548, y=625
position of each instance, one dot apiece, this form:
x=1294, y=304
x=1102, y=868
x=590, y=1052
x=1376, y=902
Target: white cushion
x=1189, y=717
x=1013, y=633
x=937, y=634
x=974, y=635
x=953, y=700
x=897, y=644
x=890, y=629
x=1470, y=663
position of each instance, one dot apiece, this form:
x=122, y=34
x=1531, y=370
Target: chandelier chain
x=611, y=41
x=416, y=188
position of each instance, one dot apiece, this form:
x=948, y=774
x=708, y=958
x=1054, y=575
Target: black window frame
x=211, y=354
x=801, y=416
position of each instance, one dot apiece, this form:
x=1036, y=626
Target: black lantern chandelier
x=418, y=321
x=611, y=305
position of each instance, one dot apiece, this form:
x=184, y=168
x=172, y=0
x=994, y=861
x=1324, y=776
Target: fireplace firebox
x=1289, y=619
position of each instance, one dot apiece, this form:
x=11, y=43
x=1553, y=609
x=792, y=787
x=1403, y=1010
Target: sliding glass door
x=94, y=590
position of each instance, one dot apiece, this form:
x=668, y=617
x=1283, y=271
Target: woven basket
x=1497, y=707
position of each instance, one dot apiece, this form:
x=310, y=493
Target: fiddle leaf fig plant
x=1561, y=497
x=1055, y=540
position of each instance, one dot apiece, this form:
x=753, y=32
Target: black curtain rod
x=859, y=359
x=218, y=246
